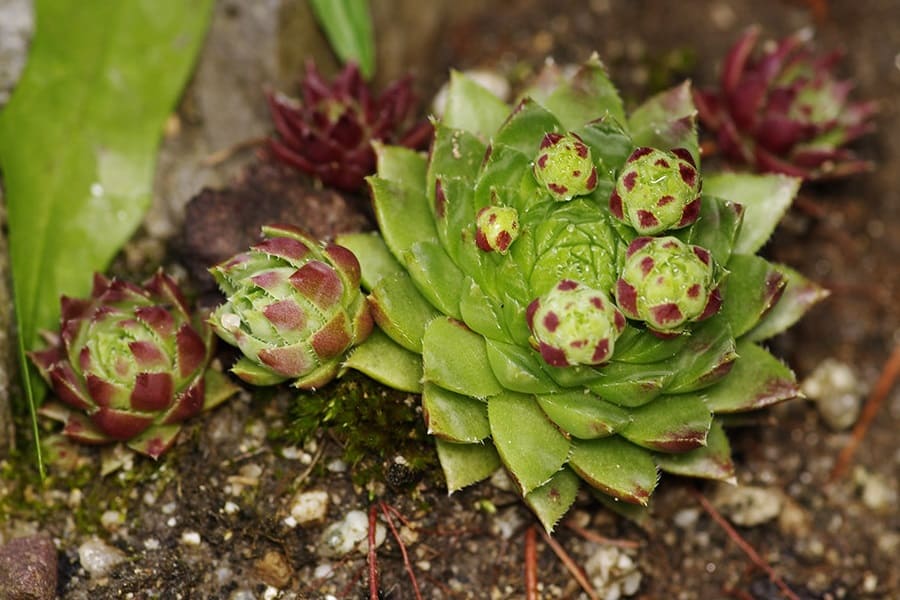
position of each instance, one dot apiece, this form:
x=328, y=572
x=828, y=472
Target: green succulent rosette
x=454, y=322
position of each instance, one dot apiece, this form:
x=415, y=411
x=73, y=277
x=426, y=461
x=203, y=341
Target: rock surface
x=28, y=568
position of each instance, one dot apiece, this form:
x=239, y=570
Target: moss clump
x=372, y=423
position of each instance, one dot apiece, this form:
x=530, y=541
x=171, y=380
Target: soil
x=209, y=521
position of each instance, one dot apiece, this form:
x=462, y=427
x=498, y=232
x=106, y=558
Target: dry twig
x=531, y=583
x=406, y=564
x=889, y=374
x=601, y=539
x=744, y=545
x=573, y=568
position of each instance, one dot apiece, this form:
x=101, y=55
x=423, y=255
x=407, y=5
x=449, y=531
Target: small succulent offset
x=293, y=308
x=590, y=349
x=129, y=364
x=783, y=110
x=329, y=133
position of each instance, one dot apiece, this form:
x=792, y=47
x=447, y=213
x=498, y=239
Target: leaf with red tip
x=192, y=351
x=553, y=499
x=81, y=429
x=155, y=441
x=531, y=447
x=758, y=379
x=617, y=468
x=346, y=264
x=465, y=464
x=318, y=282
x=667, y=120
x=753, y=287
x=582, y=414
x=712, y=461
x=289, y=361
x=187, y=403
x=800, y=294
x=671, y=424
x=152, y=391
x=158, y=319
x=121, y=424
x=333, y=338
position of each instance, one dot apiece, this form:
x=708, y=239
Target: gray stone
x=28, y=568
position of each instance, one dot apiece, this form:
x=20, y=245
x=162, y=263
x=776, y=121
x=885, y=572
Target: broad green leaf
x=455, y=153
x=707, y=357
x=531, y=447
x=499, y=179
x=551, y=501
x=78, y=140
x=670, y=424
x=765, y=199
x=717, y=228
x=455, y=358
x=472, y=107
x=757, y=379
x=628, y=385
x=480, y=312
x=587, y=96
x=348, y=26
x=465, y=464
x=616, y=467
x=525, y=128
x=387, y=362
x=375, y=260
x=753, y=287
x=667, y=120
x=583, y=414
x=401, y=311
x=635, y=346
x=518, y=369
x=454, y=417
x=403, y=215
x=436, y=276
x=800, y=294
x=609, y=144
x=712, y=461
x=401, y=165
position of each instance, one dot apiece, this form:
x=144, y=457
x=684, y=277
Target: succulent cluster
x=129, y=365
x=329, y=133
x=782, y=110
x=293, y=308
x=569, y=303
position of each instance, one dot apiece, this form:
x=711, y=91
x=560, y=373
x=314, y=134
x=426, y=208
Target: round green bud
x=667, y=284
x=657, y=191
x=564, y=166
x=496, y=228
x=573, y=324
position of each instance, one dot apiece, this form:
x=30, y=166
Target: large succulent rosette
x=783, y=109
x=129, y=364
x=536, y=359
x=293, y=308
x=328, y=133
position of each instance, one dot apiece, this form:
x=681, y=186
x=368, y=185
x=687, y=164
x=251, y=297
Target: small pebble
x=613, y=573
x=98, y=558
x=748, y=505
x=274, y=570
x=349, y=534
x=336, y=466
x=309, y=507
x=837, y=392
x=112, y=520
x=190, y=538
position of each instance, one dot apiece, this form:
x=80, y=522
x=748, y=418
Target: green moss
x=372, y=423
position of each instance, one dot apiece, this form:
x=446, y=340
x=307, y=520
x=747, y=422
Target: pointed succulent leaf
x=765, y=199
x=553, y=499
x=525, y=127
x=518, y=369
x=472, y=107
x=753, y=288
x=387, y=362
x=436, y=276
x=583, y=415
x=587, y=95
x=671, y=424
x=481, y=313
x=155, y=441
x=531, y=447
x=401, y=165
x=708, y=356
x=375, y=260
x=609, y=143
x=757, y=380
x=454, y=417
x=800, y=294
x=455, y=153
x=634, y=346
x=717, y=227
x=400, y=310
x=403, y=215
x=630, y=386
x=465, y=464
x=455, y=358
x=712, y=461
x=617, y=468
x=667, y=120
